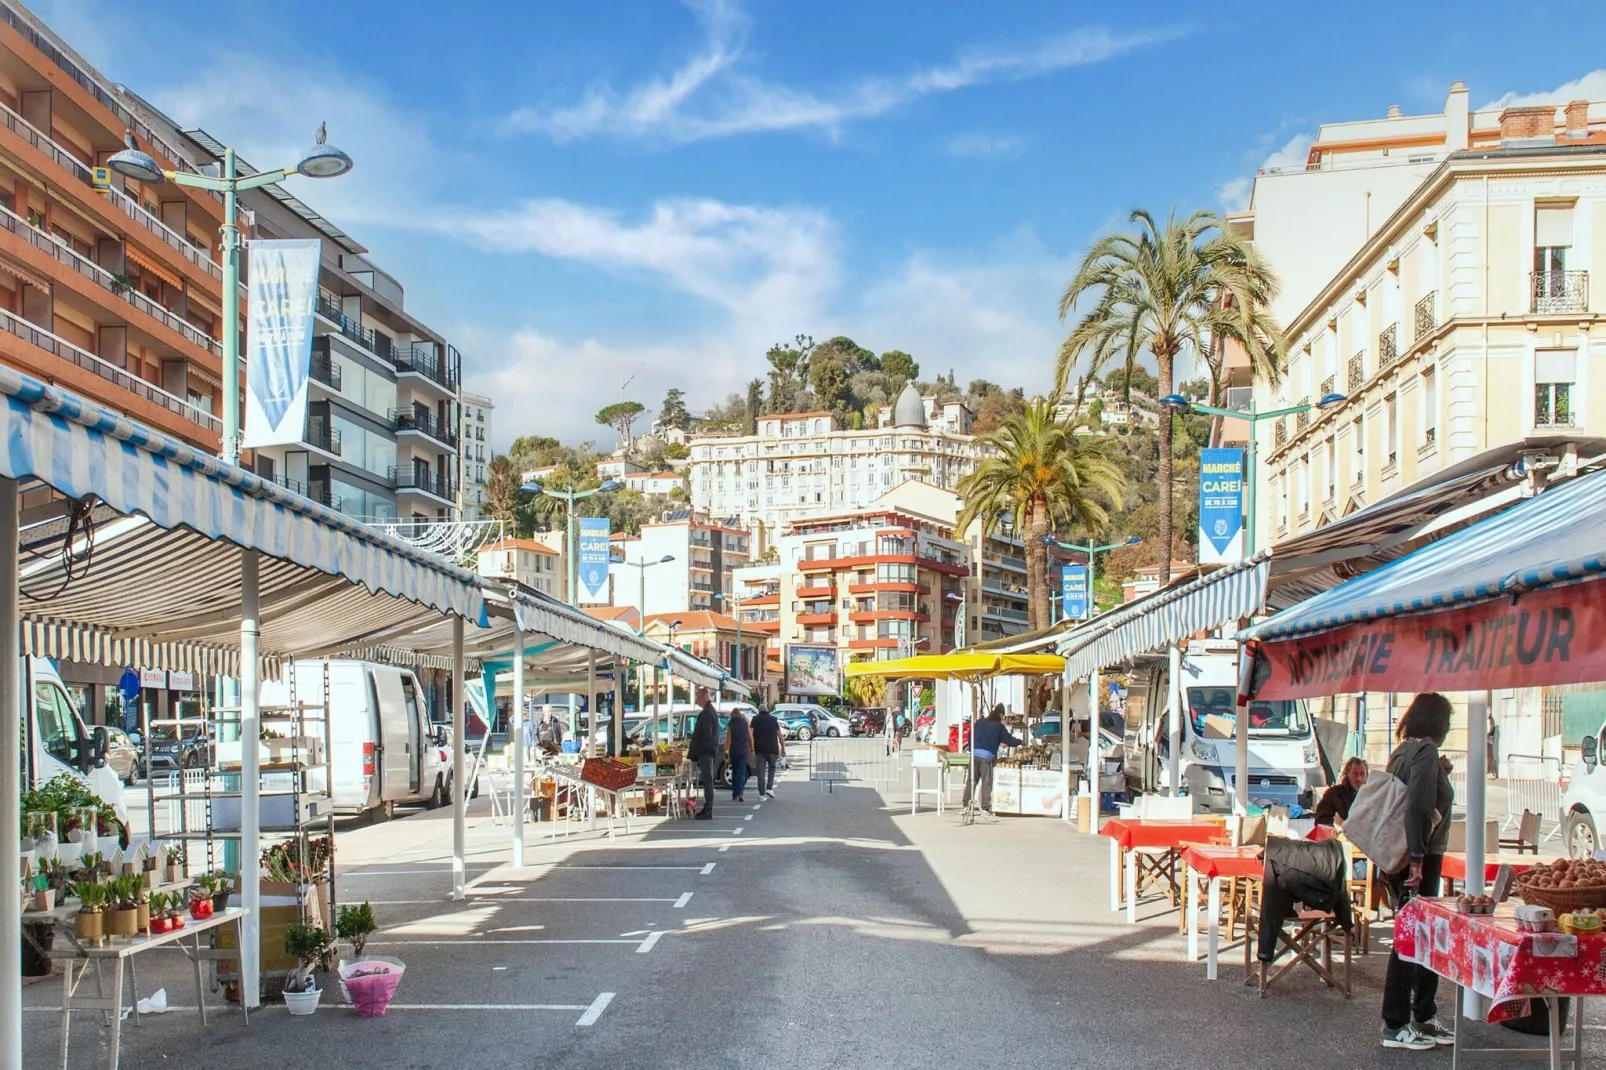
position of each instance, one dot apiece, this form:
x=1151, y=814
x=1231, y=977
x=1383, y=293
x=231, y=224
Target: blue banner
x=1073, y=592
x=593, y=564
x=278, y=339
x=1221, y=506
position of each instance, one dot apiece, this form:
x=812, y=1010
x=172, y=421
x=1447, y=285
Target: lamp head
x=532, y=487
x=664, y=560
x=134, y=163
x=324, y=160
x=1329, y=400
x=612, y=484
x=1133, y=541
x=1176, y=402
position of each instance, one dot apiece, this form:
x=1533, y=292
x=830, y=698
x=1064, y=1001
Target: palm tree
x=1040, y=474
x=1171, y=290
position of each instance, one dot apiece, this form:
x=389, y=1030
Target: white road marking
x=594, y=1011
x=680, y=904
x=760, y=806
x=736, y=832
x=646, y=945
x=414, y=1006
x=486, y=900
x=644, y=868
x=483, y=943
x=724, y=847
x=749, y=817
x=708, y=869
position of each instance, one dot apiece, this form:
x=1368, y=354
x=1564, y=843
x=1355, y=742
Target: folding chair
x=501, y=787
x=1527, y=838
x=1307, y=936
x=1362, y=896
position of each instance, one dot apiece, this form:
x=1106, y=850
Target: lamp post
x=960, y=617
x=674, y=626
x=321, y=161
x=1090, y=549
x=1178, y=403
x=735, y=603
x=641, y=568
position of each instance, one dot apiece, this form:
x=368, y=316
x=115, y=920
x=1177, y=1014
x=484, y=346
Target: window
x=1391, y=428
x=1430, y=406
x=1282, y=501
x=1554, y=375
x=1304, y=485
x=58, y=730
x=1553, y=235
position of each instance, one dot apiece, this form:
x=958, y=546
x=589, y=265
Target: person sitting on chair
x=1336, y=800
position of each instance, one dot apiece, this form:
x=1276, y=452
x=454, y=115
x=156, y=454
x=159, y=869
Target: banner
x=1547, y=637
x=1073, y=592
x=1221, y=506
x=811, y=670
x=278, y=340
x=594, y=557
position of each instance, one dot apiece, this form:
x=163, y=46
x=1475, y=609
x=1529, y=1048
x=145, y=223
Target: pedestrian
x=985, y=741
x=1409, y=990
x=769, y=747
x=1493, y=746
x=703, y=748
x=739, y=749
x=550, y=735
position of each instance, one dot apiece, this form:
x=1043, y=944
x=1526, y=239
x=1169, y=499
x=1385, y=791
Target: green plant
x=354, y=925
x=93, y=864
x=92, y=897
x=125, y=891
x=64, y=792
x=284, y=861
x=122, y=283
x=175, y=855
x=308, y=944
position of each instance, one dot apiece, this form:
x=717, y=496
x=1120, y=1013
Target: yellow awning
x=960, y=665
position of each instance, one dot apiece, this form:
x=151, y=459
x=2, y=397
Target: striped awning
x=1167, y=616
x=1550, y=539
x=93, y=646
x=82, y=449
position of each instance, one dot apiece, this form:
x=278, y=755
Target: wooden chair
x=1527, y=838
x=1458, y=835
x=1362, y=896
x=1308, y=937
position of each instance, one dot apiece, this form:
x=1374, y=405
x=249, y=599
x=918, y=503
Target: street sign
x=593, y=563
x=1073, y=592
x=1221, y=506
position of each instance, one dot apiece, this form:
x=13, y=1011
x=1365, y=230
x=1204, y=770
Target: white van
x=1284, y=761
x=383, y=749
x=54, y=739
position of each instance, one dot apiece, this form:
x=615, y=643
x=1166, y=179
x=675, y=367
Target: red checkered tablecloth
x=1213, y=861
x=1490, y=955
x=1132, y=832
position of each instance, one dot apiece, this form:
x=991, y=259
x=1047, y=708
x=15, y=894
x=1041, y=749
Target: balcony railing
x=1558, y=291
x=324, y=369
x=38, y=336
x=424, y=423
x=1279, y=433
x=425, y=361
x=1355, y=374
x=1426, y=320
x=1388, y=345
x=424, y=480
x=328, y=306
x=1328, y=385
x=1302, y=420
x=322, y=434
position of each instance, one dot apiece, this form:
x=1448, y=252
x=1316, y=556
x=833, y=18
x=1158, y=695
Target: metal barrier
x=845, y=760
x=1533, y=783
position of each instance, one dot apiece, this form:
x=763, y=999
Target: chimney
x=1527, y=125
x=1394, y=111
x=1457, y=118
x=1577, y=112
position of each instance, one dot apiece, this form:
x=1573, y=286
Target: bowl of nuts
x=1565, y=885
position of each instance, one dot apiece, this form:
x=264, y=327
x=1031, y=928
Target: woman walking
x=1409, y=989
x=739, y=748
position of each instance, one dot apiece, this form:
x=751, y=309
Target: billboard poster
x=812, y=670
x=1221, y=506
x=278, y=339
x=1073, y=592
x=593, y=563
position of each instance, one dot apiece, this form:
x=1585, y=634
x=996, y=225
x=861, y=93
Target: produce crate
x=669, y=757
x=608, y=773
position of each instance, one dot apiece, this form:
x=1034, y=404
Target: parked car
x=123, y=757
x=169, y=753
x=818, y=720
x=867, y=721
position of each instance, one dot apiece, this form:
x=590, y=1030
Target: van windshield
x=1215, y=715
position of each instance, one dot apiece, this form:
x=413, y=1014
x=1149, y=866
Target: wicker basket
x=1563, y=900
x=608, y=773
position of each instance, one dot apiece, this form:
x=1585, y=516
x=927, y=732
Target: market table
x=1210, y=863
x=1127, y=833
x=1455, y=864
x=1490, y=955
x=120, y=952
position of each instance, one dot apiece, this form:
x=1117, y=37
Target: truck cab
x=1284, y=761
x=54, y=738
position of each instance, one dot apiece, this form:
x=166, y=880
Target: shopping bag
x=1376, y=821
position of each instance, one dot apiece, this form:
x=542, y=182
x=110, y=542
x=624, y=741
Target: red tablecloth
x=1214, y=861
x=1455, y=864
x=1487, y=953
x=1131, y=832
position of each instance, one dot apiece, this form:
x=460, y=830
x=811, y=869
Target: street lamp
x=641, y=568
x=571, y=535
x=1178, y=403
x=959, y=621
x=320, y=161
x=1090, y=550
x=735, y=603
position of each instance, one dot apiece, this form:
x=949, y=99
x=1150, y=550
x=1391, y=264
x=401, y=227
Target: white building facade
x=474, y=452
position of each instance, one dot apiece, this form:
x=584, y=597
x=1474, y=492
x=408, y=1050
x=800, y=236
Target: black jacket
x=766, y=733
x=740, y=736
x=1335, y=803
x=1428, y=796
x=1312, y=872
x=704, y=735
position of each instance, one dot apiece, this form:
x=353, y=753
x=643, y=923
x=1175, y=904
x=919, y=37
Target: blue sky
x=577, y=193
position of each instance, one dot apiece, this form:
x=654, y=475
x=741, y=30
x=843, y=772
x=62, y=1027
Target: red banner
x=1556, y=636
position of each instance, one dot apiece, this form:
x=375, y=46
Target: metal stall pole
x=250, y=781
x=1240, y=734
x=1174, y=743
x=1093, y=808
x=1065, y=746
x=10, y=782
x=516, y=739
x=1477, y=787
x=618, y=707
x=591, y=700
x=459, y=789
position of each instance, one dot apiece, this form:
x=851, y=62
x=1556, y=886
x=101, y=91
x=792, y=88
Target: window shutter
x=1555, y=366
x=1553, y=227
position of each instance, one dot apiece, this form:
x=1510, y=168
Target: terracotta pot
x=89, y=926
x=172, y=874
x=45, y=900
x=122, y=922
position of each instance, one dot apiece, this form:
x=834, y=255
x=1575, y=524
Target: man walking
x=739, y=749
x=769, y=745
x=985, y=741
x=550, y=735
x=704, y=749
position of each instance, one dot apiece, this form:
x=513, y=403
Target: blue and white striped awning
x=1556, y=537
x=1168, y=615
x=80, y=449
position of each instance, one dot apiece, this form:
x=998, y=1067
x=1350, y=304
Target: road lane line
x=486, y=899
x=643, y=868
x=646, y=945
x=708, y=869
x=680, y=904
x=724, y=847
x=749, y=817
x=594, y=1011
x=484, y=943
x=736, y=832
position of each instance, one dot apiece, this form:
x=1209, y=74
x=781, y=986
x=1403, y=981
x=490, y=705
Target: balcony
x=321, y=434
x=1279, y=433
x=820, y=591
x=425, y=361
x=37, y=336
x=423, y=423
x=1388, y=345
x=423, y=481
x=1425, y=318
x=1302, y=419
x=816, y=618
x=1355, y=374
x=1554, y=292
x=324, y=369
x=1327, y=386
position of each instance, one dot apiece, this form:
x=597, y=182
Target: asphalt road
x=817, y=930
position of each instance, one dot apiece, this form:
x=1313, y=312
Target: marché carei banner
x=278, y=339
x=1556, y=636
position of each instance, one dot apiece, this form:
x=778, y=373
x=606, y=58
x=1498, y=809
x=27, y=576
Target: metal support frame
x=515, y=738
x=591, y=700
x=459, y=788
x=251, y=780
x=618, y=707
x=1065, y=750
x=1174, y=743
x=10, y=782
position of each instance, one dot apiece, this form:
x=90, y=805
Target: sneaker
x=1435, y=1032
x=1408, y=1038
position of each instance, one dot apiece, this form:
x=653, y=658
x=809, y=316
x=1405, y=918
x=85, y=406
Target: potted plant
x=308, y=944
x=222, y=888
x=93, y=866
x=175, y=911
x=354, y=924
x=44, y=890
x=122, y=917
x=90, y=922
x=158, y=913
x=201, y=901
x=173, y=872
x=144, y=904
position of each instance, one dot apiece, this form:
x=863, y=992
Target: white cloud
x=1234, y=193
x=713, y=94
x=1591, y=86
x=983, y=145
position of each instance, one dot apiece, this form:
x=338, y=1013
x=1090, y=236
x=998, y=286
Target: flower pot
x=91, y=927
x=371, y=983
x=144, y=920
x=158, y=924
x=45, y=900
x=174, y=922
x=220, y=902
x=201, y=909
x=172, y=874
x=122, y=922
x=303, y=1002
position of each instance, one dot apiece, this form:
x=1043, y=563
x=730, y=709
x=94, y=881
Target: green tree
x=536, y=451
x=676, y=451
x=830, y=378
x=673, y=413
x=852, y=354
x=1043, y=476
x=621, y=416
x=789, y=374
x=754, y=406
x=1170, y=290
x=900, y=366
x=502, y=490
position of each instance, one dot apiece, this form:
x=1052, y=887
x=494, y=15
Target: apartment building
x=703, y=553
x=803, y=464
x=757, y=604
x=712, y=636
x=474, y=452
x=527, y=561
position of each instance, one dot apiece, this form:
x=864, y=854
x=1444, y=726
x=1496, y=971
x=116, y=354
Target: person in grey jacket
x=1409, y=990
